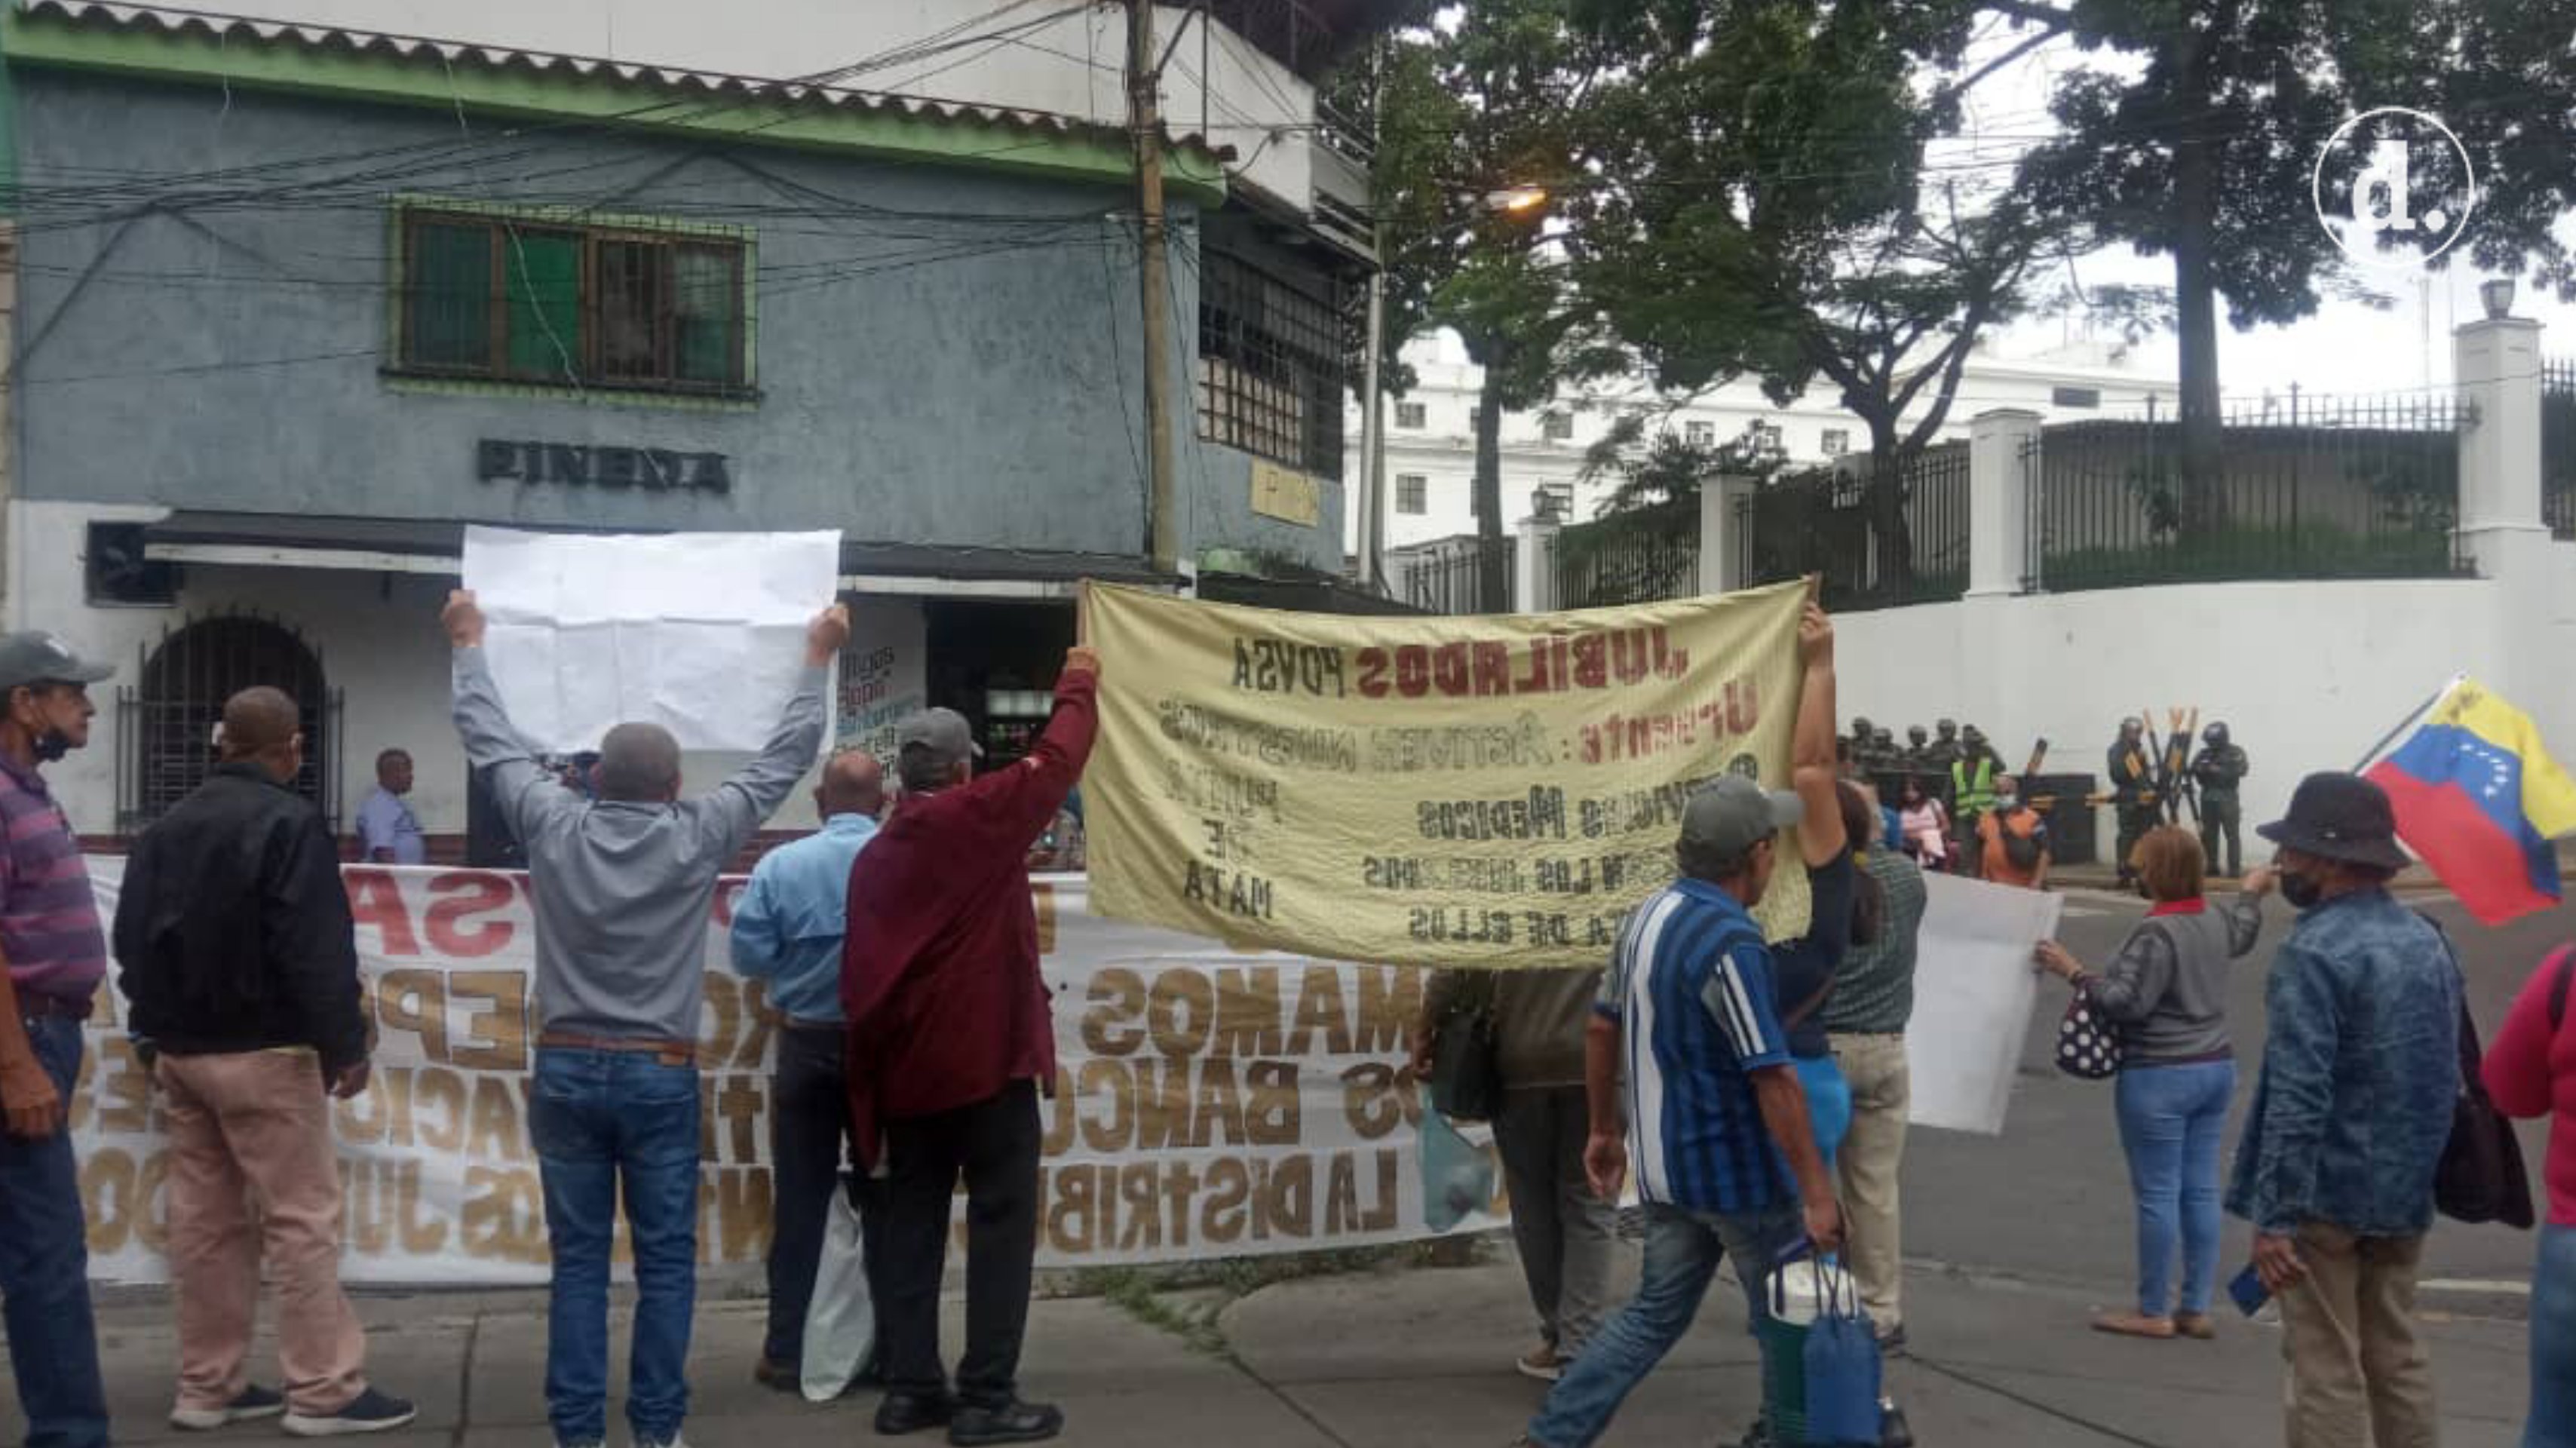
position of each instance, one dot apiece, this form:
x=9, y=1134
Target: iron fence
x=2558, y=446
x=1644, y=556
x=1880, y=539
x=1452, y=577
x=2364, y=488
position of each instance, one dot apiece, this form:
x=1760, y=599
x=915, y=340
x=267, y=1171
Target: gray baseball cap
x=944, y=732
x=36, y=657
x=1734, y=814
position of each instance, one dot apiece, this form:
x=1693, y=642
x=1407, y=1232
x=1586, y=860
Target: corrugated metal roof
x=230, y=29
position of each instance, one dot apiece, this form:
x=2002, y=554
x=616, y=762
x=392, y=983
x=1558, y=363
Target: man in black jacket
x=241, y=969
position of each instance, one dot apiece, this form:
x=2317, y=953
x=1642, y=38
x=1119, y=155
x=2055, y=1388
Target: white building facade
x=1431, y=431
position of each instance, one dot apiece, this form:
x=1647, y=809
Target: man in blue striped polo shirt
x=1713, y=1113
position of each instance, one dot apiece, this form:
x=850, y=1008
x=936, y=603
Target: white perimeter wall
x=2306, y=675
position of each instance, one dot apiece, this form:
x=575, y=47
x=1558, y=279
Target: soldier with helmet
x=2219, y=769
x=1945, y=749
x=1918, y=750
x=2132, y=775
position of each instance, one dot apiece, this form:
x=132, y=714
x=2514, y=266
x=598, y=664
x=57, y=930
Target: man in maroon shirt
x=950, y=1043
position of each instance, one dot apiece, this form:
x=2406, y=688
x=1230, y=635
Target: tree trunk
x=1493, y=566
x=2204, y=498
x=1894, y=575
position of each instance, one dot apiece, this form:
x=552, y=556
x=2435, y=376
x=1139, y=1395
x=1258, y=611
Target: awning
x=437, y=547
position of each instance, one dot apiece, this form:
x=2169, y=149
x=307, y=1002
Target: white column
x=1534, y=566
x=1722, y=537
x=1999, y=496
x=2497, y=364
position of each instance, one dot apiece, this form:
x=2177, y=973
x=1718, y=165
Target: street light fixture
x=2497, y=296
x=1516, y=200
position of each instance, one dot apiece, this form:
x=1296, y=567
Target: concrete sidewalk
x=1388, y=1359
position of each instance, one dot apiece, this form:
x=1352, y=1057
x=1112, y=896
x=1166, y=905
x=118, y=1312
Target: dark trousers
x=44, y=1266
x=2219, y=814
x=994, y=1144
x=809, y=1133
x=2135, y=821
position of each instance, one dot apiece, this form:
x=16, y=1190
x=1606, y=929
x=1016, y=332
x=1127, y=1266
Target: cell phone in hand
x=2249, y=1291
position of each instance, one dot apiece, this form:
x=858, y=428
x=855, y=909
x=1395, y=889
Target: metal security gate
x=165, y=721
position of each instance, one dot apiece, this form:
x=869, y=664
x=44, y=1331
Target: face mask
x=51, y=745
x=2302, y=892
x=2007, y=801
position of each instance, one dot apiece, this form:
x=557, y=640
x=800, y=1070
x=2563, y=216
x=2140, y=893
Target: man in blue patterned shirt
x=2335, y=1169
x=1689, y=1071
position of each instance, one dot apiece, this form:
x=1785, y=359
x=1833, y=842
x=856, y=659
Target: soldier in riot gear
x=1918, y=750
x=2132, y=776
x=1944, y=749
x=2218, y=770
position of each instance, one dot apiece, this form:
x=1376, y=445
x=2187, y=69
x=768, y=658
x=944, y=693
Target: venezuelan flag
x=2479, y=798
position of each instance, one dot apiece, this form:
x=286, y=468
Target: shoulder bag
x=2481, y=1177
x=2091, y=1045
x=1466, y=1074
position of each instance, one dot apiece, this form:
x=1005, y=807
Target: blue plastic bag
x=1457, y=1174
x=1842, y=1367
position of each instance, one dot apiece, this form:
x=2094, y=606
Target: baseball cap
x=40, y=658
x=944, y=732
x=1734, y=814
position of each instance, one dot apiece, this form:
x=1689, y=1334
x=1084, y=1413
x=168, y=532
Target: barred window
x=1270, y=366
x=1412, y=416
x=1411, y=490
x=1558, y=426
x=1835, y=441
x=521, y=299
x=1700, y=434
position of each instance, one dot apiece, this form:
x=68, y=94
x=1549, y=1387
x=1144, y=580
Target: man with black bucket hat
x=2335, y=1169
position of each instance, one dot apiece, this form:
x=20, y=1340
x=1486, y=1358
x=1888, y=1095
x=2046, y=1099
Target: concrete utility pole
x=1144, y=82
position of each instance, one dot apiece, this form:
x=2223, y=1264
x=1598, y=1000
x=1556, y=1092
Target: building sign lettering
x=576, y=465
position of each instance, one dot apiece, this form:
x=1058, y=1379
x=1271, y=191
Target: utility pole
x=1144, y=82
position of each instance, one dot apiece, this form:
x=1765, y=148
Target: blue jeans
x=1682, y=1253
x=601, y=1120
x=44, y=1267
x=2171, y=1122
x=1829, y=1106
x=2553, y=1343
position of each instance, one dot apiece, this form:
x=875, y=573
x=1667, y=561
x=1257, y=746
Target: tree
x=1472, y=109
x=1767, y=211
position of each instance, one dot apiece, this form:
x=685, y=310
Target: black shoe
x=1892, y=1432
x=777, y=1373
x=369, y=1412
x=251, y=1402
x=1011, y=1421
x=901, y=1413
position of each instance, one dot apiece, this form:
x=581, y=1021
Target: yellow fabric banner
x=1489, y=791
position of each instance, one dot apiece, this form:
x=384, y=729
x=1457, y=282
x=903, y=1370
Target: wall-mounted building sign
x=575, y=465
x=1285, y=494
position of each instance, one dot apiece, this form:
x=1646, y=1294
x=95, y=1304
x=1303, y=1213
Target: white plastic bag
x=840, y=1324
x=1457, y=1173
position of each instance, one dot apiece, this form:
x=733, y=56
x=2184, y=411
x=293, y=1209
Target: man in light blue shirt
x=388, y=832
x=787, y=931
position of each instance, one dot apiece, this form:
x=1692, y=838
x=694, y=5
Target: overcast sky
x=2347, y=348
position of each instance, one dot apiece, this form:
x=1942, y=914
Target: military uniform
x=2218, y=770
x=1943, y=751
x=2132, y=774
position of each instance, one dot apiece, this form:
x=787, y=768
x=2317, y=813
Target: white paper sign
x=701, y=633
x=1973, y=988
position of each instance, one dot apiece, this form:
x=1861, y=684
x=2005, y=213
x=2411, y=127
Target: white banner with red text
x=1210, y=1102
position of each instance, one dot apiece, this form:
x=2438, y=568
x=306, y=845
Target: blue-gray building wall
x=944, y=356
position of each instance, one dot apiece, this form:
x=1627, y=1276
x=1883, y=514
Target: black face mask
x=2302, y=892
x=51, y=745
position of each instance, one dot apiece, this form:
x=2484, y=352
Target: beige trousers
x=2358, y=1375
x=1872, y=1155
x=252, y=1168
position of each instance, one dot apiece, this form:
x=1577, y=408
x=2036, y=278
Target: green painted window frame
x=577, y=357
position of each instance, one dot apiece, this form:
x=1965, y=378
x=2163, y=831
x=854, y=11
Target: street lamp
x=2497, y=296
x=1516, y=200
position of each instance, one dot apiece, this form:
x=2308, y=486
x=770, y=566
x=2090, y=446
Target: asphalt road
x=2049, y=1199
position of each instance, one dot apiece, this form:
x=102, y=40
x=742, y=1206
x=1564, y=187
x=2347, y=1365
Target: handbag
x=1842, y=1368
x=1466, y=1072
x=840, y=1322
x=2089, y=1044
x=2481, y=1177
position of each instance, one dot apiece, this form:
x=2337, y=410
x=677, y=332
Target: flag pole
x=2418, y=712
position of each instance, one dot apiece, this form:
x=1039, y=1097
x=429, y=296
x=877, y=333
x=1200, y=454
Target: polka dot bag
x=2088, y=1042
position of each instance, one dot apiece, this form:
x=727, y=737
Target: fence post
x=1721, y=549
x=1534, y=565
x=2497, y=363
x=1999, y=495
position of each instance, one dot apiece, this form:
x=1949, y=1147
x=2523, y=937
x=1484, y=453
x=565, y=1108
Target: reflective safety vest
x=1973, y=796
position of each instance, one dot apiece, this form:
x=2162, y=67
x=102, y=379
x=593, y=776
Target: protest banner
x=1210, y=1103
x=1479, y=792
x=1973, y=989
